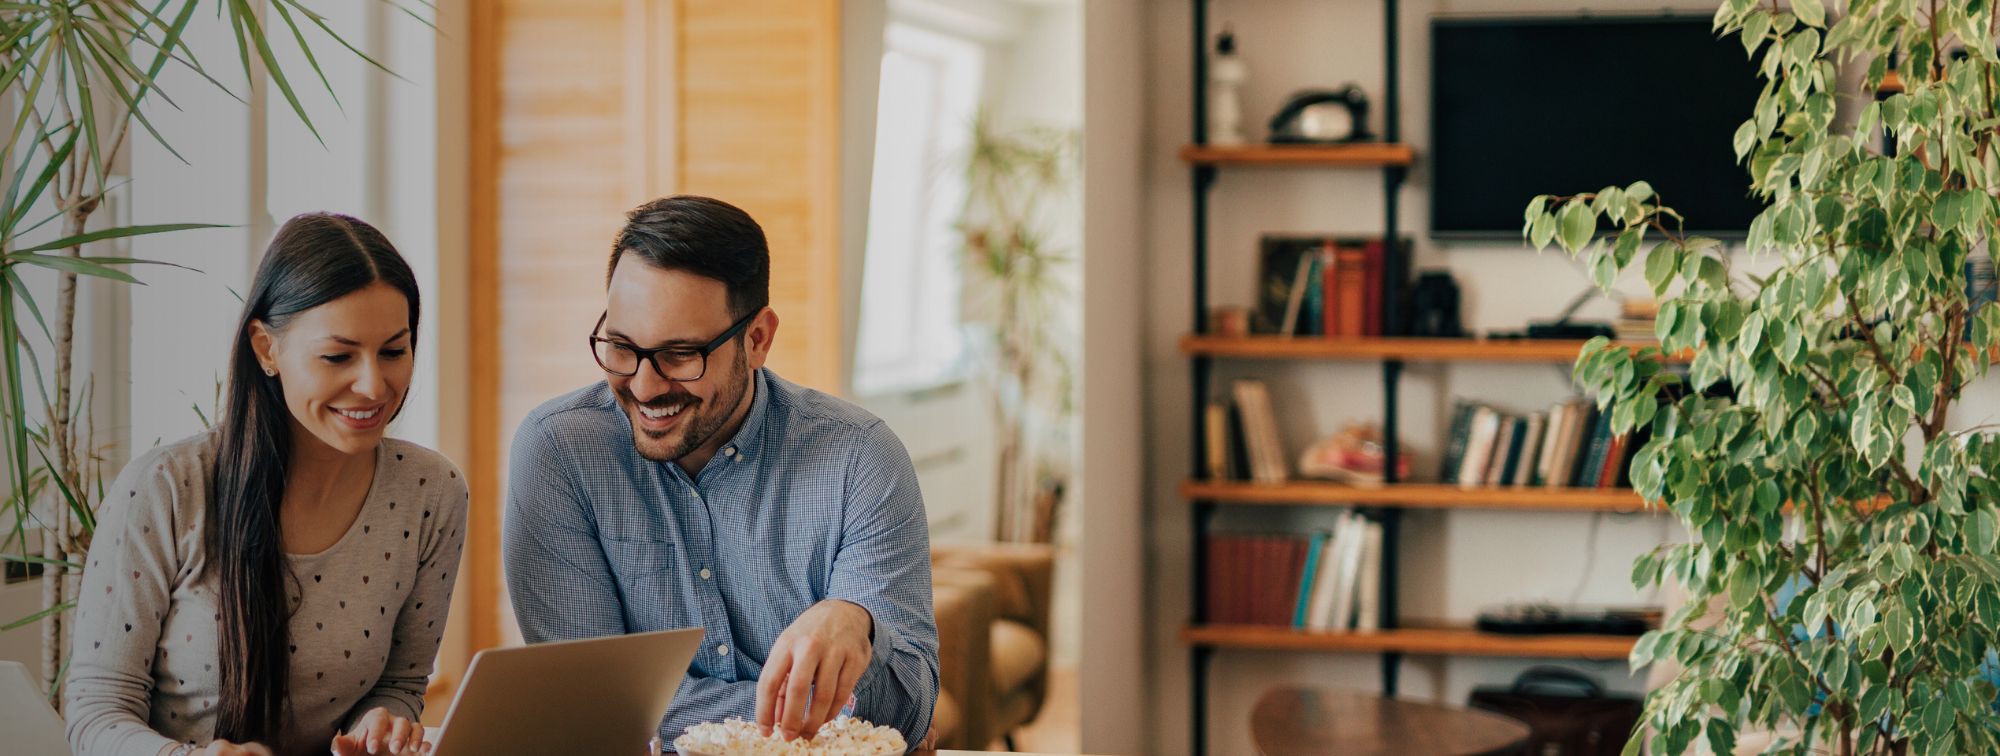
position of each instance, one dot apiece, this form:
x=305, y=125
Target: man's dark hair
x=704, y=236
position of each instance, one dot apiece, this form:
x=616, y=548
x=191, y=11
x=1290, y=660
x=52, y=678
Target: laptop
x=27, y=725
x=596, y=695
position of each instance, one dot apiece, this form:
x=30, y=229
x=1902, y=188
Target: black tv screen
x=1529, y=106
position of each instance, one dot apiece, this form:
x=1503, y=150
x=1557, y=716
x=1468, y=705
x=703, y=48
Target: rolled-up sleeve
x=883, y=565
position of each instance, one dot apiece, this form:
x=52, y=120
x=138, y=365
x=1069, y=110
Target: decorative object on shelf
x=1322, y=116
x=1868, y=628
x=1229, y=321
x=1352, y=456
x=1637, y=318
x=1567, y=712
x=1434, y=306
x=1226, y=73
x=1570, y=330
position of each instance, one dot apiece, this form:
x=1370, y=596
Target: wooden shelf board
x=1416, y=496
x=1413, y=349
x=1422, y=641
x=1364, y=154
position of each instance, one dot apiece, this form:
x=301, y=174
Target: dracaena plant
x=77, y=76
x=1843, y=589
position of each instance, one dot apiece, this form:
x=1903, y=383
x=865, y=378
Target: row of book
x=1322, y=286
x=1328, y=581
x=1242, y=440
x=1569, y=445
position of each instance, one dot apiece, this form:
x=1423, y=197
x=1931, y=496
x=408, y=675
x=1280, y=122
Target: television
x=1528, y=106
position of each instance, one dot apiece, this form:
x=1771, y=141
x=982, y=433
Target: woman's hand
x=226, y=748
x=382, y=733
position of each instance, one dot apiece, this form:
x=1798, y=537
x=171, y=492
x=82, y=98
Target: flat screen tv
x=1527, y=106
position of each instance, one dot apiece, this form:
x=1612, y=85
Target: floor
x=1058, y=729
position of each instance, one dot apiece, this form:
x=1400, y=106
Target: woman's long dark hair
x=313, y=260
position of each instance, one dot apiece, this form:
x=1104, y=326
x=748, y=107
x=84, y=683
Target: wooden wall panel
x=759, y=122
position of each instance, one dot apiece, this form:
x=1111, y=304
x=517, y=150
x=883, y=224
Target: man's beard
x=699, y=420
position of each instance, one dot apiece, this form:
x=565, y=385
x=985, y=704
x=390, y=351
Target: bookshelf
x=1416, y=496
x=1361, y=155
x=1272, y=347
x=1419, y=641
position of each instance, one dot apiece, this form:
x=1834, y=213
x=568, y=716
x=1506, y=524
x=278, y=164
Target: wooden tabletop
x=1314, y=722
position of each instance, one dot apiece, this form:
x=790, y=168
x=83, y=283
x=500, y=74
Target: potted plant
x=1015, y=277
x=1844, y=591
x=80, y=74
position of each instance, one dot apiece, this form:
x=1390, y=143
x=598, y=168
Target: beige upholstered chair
x=995, y=680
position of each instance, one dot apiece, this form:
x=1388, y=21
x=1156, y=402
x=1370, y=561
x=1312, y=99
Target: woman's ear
x=264, y=345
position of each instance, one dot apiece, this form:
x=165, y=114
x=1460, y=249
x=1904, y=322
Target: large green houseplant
x=77, y=75
x=1844, y=591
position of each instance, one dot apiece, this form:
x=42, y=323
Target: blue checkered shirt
x=812, y=499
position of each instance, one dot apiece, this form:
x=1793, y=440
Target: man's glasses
x=675, y=363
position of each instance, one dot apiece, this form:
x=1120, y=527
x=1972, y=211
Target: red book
x=1376, y=258
x=1614, y=463
x=1295, y=568
x=1351, y=291
x=1212, y=585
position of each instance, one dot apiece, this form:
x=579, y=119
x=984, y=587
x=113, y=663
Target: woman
x=278, y=584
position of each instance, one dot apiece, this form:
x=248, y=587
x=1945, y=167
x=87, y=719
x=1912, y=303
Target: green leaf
x=1745, y=139
x=1662, y=263
x=1755, y=26
x=1578, y=225
x=1542, y=230
x=1810, y=12
x=117, y=233
x=1984, y=532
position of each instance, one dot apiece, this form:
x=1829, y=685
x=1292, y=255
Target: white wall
x=1453, y=563
x=1113, y=669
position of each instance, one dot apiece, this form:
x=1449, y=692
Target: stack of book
x=1570, y=445
x=1242, y=440
x=1323, y=286
x=1330, y=581
x=1636, y=320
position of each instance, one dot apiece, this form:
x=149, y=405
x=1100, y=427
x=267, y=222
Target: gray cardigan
x=368, y=612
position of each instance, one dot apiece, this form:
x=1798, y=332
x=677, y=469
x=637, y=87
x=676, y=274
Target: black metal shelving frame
x=1202, y=176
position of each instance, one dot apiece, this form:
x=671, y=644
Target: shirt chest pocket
x=648, y=573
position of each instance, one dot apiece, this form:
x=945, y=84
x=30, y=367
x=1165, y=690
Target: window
x=911, y=335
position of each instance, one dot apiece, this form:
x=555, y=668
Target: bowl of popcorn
x=845, y=735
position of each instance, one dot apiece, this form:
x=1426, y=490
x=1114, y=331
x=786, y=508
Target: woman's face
x=344, y=366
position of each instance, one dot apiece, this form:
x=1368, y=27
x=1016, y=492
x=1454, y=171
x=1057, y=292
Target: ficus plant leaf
x=1841, y=579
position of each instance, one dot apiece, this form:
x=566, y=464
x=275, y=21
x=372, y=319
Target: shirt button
x=729, y=451
x=722, y=650
x=705, y=574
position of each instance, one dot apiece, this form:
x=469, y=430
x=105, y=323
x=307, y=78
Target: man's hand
x=813, y=668
x=379, y=732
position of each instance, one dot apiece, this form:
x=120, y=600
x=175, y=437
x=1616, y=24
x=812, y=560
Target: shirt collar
x=750, y=437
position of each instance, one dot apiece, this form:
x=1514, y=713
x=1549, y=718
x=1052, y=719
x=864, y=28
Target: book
x=1312, y=314
x=1215, y=441
x=1454, y=452
x=1295, y=299
x=1284, y=598
x=1326, y=580
x=1278, y=269
x=1596, y=444
x=1368, y=591
x=1531, y=448
x=1341, y=615
x=1268, y=462
x=1239, y=445
x=1503, y=450
x=1350, y=295
x=1552, y=441
x=1374, y=254
x=1479, y=447
x=1315, y=548
x=1581, y=418
x=1614, y=462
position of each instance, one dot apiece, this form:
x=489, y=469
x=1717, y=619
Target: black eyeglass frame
x=649, y=356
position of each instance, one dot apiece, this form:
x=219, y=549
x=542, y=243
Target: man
x=695, y=488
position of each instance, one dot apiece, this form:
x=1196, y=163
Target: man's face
x=651, y=308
